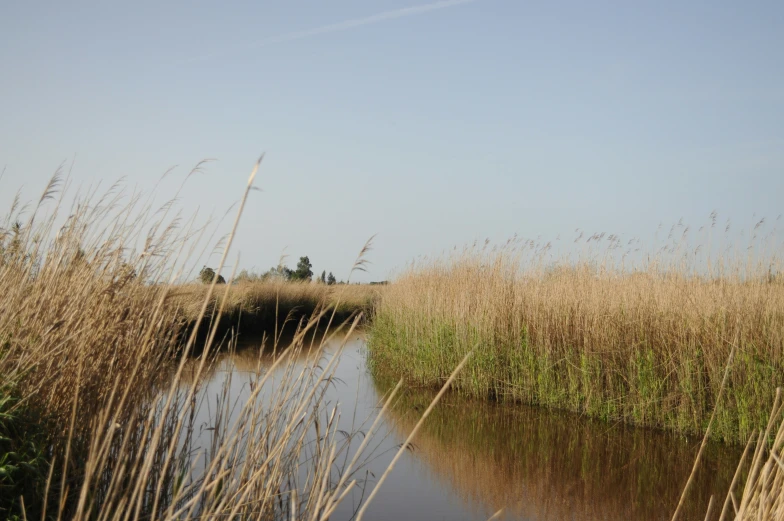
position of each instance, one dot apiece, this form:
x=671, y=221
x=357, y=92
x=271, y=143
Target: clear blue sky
x=431, y=127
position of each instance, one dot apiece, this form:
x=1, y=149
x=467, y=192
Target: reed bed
x=96, y=404
x=644, y=345
x=98, y=380
x=267, y=306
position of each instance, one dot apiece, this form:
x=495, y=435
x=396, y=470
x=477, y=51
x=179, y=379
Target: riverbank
x=254, y=308
x=647, y=348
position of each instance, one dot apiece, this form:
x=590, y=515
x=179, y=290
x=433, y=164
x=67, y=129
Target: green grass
x=23, y=459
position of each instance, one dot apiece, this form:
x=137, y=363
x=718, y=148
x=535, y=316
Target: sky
x=429, y=125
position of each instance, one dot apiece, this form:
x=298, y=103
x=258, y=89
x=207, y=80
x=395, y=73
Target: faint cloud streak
x=339, y=26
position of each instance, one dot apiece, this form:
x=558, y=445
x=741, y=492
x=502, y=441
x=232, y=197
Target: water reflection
x=473, y=457
x=547, y=465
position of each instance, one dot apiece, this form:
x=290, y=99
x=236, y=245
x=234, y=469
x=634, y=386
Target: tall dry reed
x=757, y=492
x=645, y=346
x=93, y=359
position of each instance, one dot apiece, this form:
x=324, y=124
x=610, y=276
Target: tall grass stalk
x=757, y=489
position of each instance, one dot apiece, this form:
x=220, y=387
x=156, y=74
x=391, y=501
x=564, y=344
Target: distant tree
x=207, y=274
x=331, y=279
x=324, y=277
x=303, y=271
x=252, y=276
x=278, y=273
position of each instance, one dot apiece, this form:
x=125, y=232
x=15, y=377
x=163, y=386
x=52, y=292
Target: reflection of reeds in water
x=549, y=466
x=256, y=353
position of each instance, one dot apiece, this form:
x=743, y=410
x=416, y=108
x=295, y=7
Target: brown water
x=472, y=458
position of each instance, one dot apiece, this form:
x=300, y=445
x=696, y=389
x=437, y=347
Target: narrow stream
x=472, y=458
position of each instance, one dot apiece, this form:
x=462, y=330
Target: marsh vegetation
x=271, y=306
x=108, y=362
x=96, y=417
x=645, y=345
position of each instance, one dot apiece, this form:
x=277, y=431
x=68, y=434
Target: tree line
x=302, y=273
